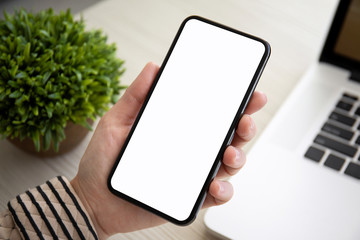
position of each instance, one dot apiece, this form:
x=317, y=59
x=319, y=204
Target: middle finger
x=234, y=159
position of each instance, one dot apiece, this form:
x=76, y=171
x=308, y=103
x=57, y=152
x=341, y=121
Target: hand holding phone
x=170, y=157
x=111, y=214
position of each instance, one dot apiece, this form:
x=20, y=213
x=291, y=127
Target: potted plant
x=53, y=74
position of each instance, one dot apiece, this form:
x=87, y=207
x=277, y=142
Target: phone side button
x=231, y=138
x=216, y=170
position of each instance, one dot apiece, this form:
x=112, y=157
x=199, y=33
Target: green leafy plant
x=53, y=71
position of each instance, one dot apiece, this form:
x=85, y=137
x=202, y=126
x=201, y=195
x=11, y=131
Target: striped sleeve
x=7, y=227
x=51, y=211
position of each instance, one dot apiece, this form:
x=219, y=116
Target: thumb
x=127, y=108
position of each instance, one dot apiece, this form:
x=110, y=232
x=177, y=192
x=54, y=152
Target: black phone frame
x=227, y=140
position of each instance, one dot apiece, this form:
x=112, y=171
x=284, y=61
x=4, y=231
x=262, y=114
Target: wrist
x=81, y=195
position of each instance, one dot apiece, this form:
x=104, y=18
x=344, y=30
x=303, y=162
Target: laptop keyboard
x=338, y=142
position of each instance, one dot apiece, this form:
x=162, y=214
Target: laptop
x=302, y=177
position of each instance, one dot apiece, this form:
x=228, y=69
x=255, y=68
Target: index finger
x=257, y=101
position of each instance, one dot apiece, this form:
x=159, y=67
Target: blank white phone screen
x=187, y=117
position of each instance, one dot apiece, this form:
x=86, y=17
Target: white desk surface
x=143, y=31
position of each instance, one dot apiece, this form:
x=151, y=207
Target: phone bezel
x=227, y=140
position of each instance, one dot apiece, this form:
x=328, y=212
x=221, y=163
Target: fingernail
x=237, y=155
x=252, y=124
x=221, y=188
x=248, y=133
x=245, y=132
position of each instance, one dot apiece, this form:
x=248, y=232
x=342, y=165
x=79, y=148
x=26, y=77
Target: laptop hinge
x=355, y=75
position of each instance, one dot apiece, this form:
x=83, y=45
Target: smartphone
x=176, y=144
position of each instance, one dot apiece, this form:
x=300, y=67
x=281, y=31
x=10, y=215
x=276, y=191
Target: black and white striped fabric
x=51, y=211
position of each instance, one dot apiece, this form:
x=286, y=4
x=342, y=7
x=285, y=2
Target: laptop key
x=353, y=170
x=314, y=154
x=352, y=97
x=337, y=131
x=344, y=105
x=342, y=118
x=357, y=112
x=334, y=162
x=358, y=140
x=336, y=145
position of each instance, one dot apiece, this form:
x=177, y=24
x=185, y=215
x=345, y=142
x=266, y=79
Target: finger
x=130, y=103
x=234, y=159
x=257, y=101
x=245, y=131
x=219, y=193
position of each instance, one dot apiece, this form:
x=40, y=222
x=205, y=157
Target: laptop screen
x=342, y=46
x=348, y=42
